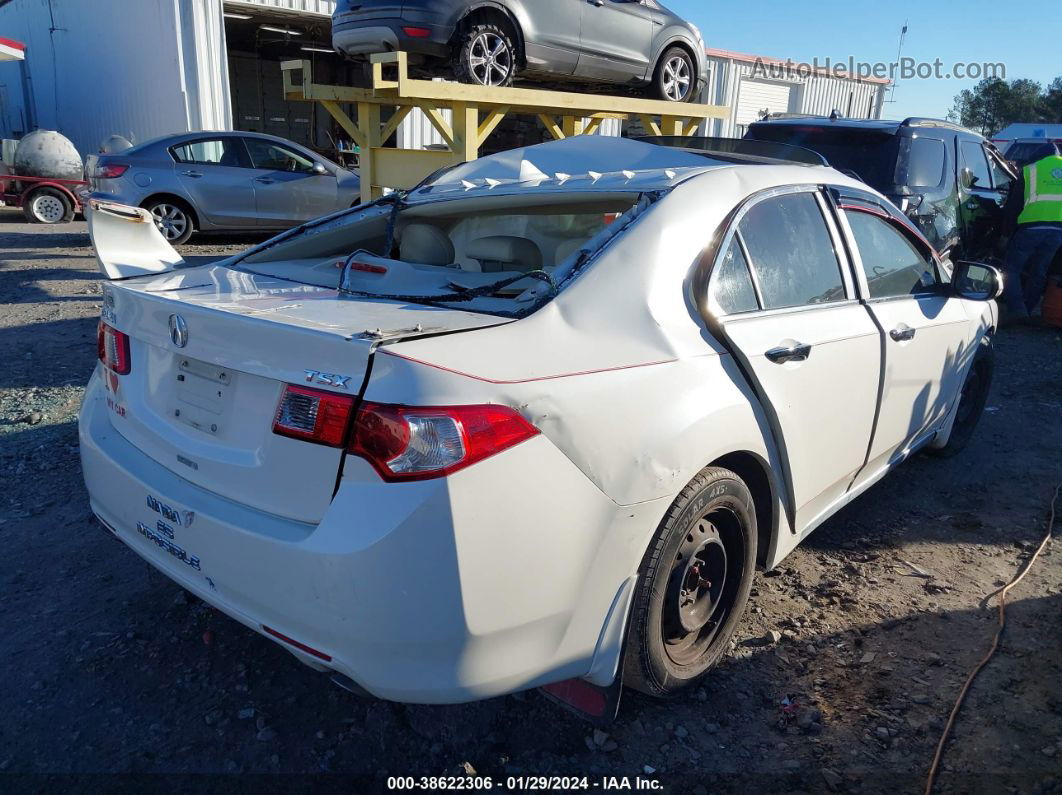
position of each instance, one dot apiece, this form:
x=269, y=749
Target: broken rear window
x=495, y=254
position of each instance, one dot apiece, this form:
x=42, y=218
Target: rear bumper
x=358, y=36
x=440, y=591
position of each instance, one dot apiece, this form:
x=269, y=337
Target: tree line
x=994, y=103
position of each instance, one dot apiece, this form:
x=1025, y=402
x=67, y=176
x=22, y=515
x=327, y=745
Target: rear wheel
x=972, y=401
x=485, y=55
x=675, y=77
x=48, y=206
x=173, y=218
x=693, y=586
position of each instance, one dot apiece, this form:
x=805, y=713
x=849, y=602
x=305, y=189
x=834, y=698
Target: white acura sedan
x=533, y=423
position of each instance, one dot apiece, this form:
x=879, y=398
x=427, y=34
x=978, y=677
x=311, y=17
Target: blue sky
x=973, y=30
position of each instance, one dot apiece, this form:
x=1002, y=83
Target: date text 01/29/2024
x=523, y=783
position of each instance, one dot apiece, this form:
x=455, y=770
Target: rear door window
x=926, y=160
x=973, y=158
x=211, y=152
x=792, y=252
x=731, y=291
x=894, y=265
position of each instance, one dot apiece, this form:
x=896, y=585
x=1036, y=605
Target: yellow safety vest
x=1043, y=192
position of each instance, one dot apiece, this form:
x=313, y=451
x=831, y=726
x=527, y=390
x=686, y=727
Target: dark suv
x=949, y=181
x=628, y=42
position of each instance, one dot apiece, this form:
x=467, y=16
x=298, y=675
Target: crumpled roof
x=583, y=162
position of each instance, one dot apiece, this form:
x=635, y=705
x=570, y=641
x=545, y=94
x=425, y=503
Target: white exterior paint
x=139, y=69
x=518, y=570
x=733, y=80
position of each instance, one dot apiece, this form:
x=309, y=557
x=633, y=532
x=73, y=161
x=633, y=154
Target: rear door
x=552, y=35
x=925, y=332
x=215, y=175
x=617, y=36
x=287, y=189
x=785, y=304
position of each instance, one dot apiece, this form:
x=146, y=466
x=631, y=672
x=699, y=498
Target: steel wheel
x=171, y=220
x=693, y=584
x=47, y=209
x=677, y=78
x=698, y=600
x=490, y=59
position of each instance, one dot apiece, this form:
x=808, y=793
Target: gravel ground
x=870, y=627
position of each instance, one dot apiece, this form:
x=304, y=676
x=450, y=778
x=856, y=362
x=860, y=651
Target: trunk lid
x=211, y=351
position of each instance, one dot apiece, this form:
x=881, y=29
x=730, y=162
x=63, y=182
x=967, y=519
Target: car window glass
x=791, y=251
x=973, y=158
x=213, y=152
x=1000, y=178
x=925, y=167
x=268, y=155
x=731, y=290
x=894, y=266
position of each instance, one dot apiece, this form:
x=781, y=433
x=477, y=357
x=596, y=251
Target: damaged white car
x=533, y=423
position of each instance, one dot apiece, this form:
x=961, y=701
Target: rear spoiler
x=127, y=242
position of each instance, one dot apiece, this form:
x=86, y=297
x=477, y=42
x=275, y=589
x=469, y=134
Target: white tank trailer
x=46, y=153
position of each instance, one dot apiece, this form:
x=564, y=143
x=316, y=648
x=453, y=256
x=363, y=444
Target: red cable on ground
x=995, y=645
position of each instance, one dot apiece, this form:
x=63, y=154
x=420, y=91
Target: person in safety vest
x=1036, y=240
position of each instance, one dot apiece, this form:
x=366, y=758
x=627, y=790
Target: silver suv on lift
x=621, y=42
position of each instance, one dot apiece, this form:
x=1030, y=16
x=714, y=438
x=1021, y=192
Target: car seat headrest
x=426, y=244
x=505, y=253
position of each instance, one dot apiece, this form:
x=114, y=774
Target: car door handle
x=265, y=180
x=193, y=174
x=797, y=352
x=902, y=333
x=597, y=3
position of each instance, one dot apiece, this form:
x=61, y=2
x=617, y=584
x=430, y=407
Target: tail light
x=416, y=443
x=417, y=33
x=110, y=170
x=112, y=346
x=314, y=416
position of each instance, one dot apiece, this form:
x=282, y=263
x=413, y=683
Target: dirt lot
x=108, y=667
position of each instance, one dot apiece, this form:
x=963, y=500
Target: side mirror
x=975, y=281
x=967, y=178
x=319, y=169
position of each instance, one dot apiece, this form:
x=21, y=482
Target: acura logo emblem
x=178, y=331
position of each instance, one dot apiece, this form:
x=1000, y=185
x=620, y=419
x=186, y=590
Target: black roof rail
x=747, y=150
x=787, y=115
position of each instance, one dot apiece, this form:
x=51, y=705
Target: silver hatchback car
x=223, y=181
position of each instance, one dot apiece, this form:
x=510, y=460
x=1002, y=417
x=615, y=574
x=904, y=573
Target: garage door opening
x=257, y=41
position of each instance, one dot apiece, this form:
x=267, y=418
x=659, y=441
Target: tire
x=675, y=66
x=972, y=401
x=48, y=206
x=173, y=218
x=669, y=647
x=485, y=55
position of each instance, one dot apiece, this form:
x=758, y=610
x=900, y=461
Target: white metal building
x=144, y=68
x=753, y=86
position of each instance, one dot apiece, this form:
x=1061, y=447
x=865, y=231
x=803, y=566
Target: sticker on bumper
x=164, y=543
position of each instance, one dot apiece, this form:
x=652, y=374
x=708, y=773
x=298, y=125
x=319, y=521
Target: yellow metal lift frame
x=476, y=112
